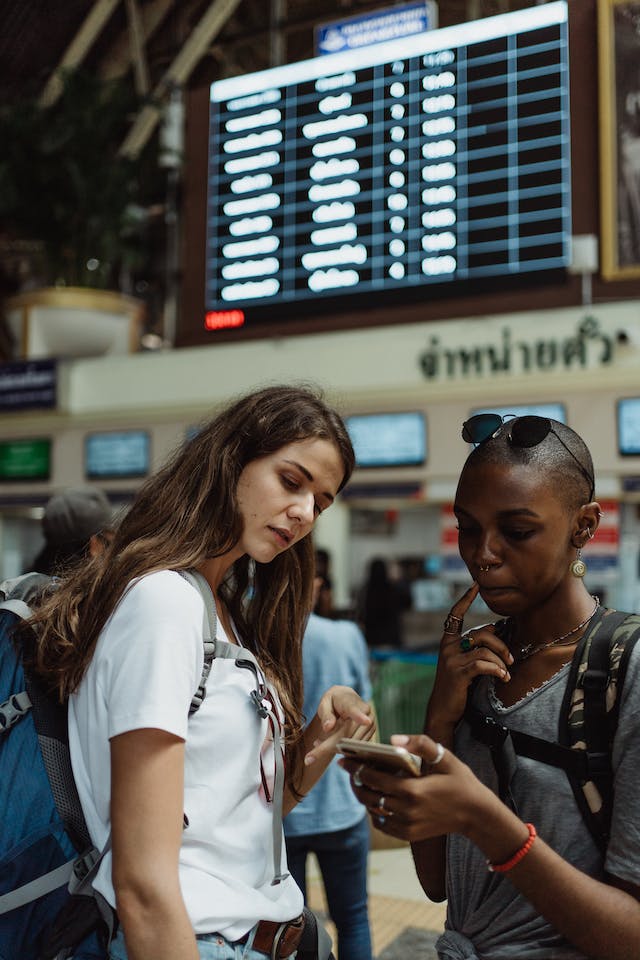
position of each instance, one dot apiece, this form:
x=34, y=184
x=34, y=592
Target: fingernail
x=309, y=759
x=510, y=658
x=400, y=739
x=506, y=675
x=327, y=725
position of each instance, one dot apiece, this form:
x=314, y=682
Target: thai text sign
x=500, y=350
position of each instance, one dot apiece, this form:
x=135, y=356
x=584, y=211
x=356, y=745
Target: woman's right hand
x=463, y=656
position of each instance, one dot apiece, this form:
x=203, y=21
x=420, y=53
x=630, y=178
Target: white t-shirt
x=146, y=667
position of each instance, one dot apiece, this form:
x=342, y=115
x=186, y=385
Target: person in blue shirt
x=330, y=822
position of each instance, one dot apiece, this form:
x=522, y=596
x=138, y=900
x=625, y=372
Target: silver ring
x=356, y=776
x=381, y=803
x=438, y=757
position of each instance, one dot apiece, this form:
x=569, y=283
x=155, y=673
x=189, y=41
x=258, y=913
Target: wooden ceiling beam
x=77, y=50
x=137, y=46
x=152, y=16
x=178, y=73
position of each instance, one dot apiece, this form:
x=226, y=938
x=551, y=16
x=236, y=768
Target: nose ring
x=484, y=569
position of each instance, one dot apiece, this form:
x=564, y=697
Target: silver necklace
x=530, y=649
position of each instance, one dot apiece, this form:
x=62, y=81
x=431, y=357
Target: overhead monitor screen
x=438, y=161
x=113, y=455
x=629, y=427
x=388, y=439
x=27, y=459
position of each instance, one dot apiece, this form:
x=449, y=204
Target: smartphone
x=383, y=756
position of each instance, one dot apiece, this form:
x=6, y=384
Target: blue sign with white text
x=387, y=24
x=29, y=385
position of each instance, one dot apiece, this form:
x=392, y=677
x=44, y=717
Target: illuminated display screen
x=25, y=459
x=124, y=454
x=629, y=426
x=438, y=159
x=388, y=439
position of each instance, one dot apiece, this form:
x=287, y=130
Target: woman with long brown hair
x=192, y=805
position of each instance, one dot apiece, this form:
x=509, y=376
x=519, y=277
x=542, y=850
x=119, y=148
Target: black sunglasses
x=526, y=431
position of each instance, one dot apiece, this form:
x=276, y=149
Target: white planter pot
x=74, y=322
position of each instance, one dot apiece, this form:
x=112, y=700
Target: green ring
x=466, y=645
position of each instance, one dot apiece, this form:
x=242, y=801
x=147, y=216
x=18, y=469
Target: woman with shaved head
x=501, y=833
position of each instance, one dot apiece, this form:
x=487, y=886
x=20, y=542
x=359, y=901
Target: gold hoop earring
x=578, y=567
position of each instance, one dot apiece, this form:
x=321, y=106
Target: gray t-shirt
x=485, y=908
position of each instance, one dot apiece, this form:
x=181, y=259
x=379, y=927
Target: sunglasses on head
x=526, y=431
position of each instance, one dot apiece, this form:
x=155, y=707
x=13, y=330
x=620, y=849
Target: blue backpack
x=48, y=909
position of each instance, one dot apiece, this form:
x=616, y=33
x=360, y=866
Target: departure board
x=436, y=160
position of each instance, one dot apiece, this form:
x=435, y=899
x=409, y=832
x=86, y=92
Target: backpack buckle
x=259, y=705
x=489, y=732
x=85, y=862
x=13, y=710
x=598, y=765
x=595, y=679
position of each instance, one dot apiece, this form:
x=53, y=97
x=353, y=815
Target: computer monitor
x=388, y=439
x=117, y=454
x=629, y=427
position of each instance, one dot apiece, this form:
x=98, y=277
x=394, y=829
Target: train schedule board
x=430, y=163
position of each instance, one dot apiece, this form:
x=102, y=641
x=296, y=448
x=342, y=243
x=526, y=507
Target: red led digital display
x=223, y=319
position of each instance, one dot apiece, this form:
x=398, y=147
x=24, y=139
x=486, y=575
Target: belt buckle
x=276, y=940
x=297, y=924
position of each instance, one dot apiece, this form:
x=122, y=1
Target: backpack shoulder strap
x=587, y=723
x=25, y=587
x=621, y=648
x=259, y=696
x=209, y=633
x=589, y=712
x=19, y=607
x=19, y=703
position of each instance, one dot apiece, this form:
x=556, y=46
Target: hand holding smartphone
x=383, y=756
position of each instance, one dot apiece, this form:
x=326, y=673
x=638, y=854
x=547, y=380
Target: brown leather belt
x=277, y=940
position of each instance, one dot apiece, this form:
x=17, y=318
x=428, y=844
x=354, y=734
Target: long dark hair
x=186, y=513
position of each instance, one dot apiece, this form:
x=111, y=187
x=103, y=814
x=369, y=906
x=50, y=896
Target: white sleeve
x=150, y=655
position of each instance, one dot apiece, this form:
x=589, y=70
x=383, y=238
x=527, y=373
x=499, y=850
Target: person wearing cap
x=77, y=522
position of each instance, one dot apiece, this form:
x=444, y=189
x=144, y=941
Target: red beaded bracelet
x=518, y=855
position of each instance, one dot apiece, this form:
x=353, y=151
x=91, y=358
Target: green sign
x=25, y=459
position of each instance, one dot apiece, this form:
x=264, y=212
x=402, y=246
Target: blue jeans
x=211, y=946
x=342, y=857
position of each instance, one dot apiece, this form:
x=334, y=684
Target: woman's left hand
x=446, y=798
x=341, y=713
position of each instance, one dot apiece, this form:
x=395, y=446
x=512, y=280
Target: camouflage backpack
x=588, y=722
